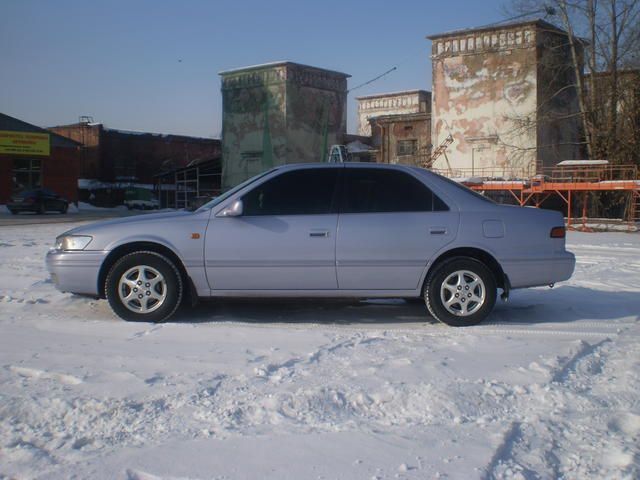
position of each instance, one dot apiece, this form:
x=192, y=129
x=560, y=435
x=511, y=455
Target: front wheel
x=460, y=292
x=144, y=287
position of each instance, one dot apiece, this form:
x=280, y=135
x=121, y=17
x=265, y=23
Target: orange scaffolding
x=565, y=182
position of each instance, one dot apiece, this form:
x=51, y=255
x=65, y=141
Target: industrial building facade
x=399, y=125
x=111, y=155
x=279, y=113
x=506, y=95
x=31, y=157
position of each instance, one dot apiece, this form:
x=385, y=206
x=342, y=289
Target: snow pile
x=548, y=388
x=83, y=206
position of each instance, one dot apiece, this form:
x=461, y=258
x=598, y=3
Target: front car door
x=390, y=226
x=285, y=238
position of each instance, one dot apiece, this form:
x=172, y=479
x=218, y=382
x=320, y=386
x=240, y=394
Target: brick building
x=31, y=157
x=371, y=106
x=399, y=124
x=279, y=113
x=506, y=94
x=111, y=155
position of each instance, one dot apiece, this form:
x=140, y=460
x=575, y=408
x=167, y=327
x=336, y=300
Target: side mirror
x=233, y=210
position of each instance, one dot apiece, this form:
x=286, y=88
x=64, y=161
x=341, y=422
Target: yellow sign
x=24, y=143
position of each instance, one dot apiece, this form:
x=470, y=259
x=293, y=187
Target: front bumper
x=76, y=272
x=538, y=271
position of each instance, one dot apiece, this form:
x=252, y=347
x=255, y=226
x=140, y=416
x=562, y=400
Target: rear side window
x=380, y=190
x=301, y=192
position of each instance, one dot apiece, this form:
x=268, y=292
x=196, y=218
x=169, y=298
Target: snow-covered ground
x=548, y=388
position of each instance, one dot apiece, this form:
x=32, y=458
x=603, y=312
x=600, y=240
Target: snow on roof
x=358, y=147
x=582, y=163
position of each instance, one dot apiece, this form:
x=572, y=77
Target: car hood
x=136, y=219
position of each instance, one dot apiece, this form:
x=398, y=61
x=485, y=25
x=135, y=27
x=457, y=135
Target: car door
x=47, y=197
x=390, y=225
x=284, y=239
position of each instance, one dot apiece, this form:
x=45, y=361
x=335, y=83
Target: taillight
x=558, y=232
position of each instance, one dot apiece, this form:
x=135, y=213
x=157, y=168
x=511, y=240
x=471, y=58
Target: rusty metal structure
x=181, y=187
x=569, y=182
x=279, y=113
x=506, y=95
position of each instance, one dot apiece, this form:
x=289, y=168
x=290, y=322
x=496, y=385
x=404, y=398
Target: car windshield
x=229, y=193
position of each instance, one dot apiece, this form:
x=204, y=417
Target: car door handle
x=437, y=230
x=319, y=233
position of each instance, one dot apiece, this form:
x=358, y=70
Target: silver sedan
x=320, y=230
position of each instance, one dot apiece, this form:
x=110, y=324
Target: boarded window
x=406, y=147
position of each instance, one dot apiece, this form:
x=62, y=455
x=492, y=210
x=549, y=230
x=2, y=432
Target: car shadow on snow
x=324, y=311
x=561, y=305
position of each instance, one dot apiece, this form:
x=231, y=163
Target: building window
x=27, y=174
x=406, y=147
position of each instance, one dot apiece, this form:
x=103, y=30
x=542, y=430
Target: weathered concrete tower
x=279, y=113
x=506, y=94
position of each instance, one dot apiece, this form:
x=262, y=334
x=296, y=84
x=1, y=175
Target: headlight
x=72, y=242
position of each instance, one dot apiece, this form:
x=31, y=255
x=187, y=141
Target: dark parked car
x=40, y=200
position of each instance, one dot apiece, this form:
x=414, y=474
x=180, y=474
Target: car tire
x=13, y=212
x=64, y=208
x=157, y=280
x=460, y=292
x=41, y=209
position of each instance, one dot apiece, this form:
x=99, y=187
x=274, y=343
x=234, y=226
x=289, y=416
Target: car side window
x=300, y=192
x=372, y=190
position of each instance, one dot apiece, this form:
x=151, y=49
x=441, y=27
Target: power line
x=373, y=79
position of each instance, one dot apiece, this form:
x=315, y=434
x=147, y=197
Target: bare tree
x=607, y=89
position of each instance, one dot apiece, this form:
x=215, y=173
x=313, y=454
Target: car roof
x=460, y=194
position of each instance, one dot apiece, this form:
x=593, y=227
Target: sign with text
x=24, y=143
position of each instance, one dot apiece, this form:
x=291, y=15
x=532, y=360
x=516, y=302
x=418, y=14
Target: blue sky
x=153, y=65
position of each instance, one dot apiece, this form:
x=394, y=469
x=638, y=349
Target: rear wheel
x=65, y=207
x=460, y=292
x=42, y=209
x=144, y=287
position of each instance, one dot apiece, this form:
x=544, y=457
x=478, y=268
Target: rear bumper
x=533, y=272
x=75, y=272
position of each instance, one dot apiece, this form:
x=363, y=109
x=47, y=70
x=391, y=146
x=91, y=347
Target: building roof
x=135, y=132
x=16, y=125
x=393, y=94
x=498, y=26
x=582, y=163
x=399, y=117
x=264, y=66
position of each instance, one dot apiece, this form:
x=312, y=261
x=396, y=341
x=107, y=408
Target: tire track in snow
x=581, y=354
x=541, y=443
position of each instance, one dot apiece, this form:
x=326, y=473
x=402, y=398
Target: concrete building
x=399, y=125
x=397, y=103
x=279, y=113
x=31, y=157
x=506, y=94
x=111, y=155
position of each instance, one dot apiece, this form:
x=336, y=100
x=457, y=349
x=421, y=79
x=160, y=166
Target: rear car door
x=284, y=240
x=390, y=226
